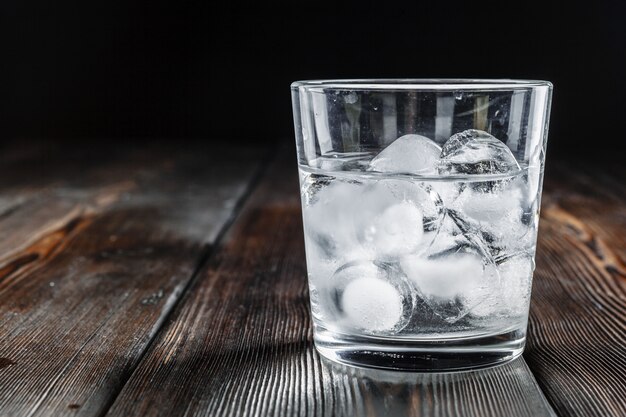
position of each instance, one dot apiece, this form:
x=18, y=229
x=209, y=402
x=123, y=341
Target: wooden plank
x=86, y=285
x=42, y=188
x=577, y=331
x=240, y=343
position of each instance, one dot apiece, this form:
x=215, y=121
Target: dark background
x=188, y=70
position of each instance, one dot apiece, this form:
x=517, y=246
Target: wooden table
x=171, y=281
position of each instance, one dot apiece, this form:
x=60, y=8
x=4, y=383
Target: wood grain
x=239, y=343
x=577, y=332
x=101, y=245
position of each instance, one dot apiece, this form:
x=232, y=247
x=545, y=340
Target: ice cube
x=333, y=221
x=497, y=215
x=511, y=297
x=331, y=209
x=454, y=277
x=422, y=195
x=321, y=266
x=490, y=207
x=516, y=275
x=486, y=301
x=397, y=230
x=409, y=154
x=372, y=304
x=387, y=217
x=448, y=191
x=321, y=269
x=402, y=217
x=445, y=277
x=476, y=152
x=373, y=297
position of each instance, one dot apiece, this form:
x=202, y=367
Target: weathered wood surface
x=239, y=343
x=96, y=248
x=99, y=313
x=577, y=342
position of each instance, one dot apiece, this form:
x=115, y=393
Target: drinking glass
x=420, y=201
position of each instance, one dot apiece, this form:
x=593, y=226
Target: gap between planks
x=204, y=258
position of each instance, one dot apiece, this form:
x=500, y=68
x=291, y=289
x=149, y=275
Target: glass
x=420, y=202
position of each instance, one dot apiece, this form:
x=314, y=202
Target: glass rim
x=419, y=84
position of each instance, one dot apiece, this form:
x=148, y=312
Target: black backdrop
x=186, y=70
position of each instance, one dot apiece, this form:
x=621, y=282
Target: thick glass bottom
x=423, y=355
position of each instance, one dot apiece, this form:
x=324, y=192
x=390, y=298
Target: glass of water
x=420, y=201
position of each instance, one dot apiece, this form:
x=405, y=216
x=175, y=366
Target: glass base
x=442, y=355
